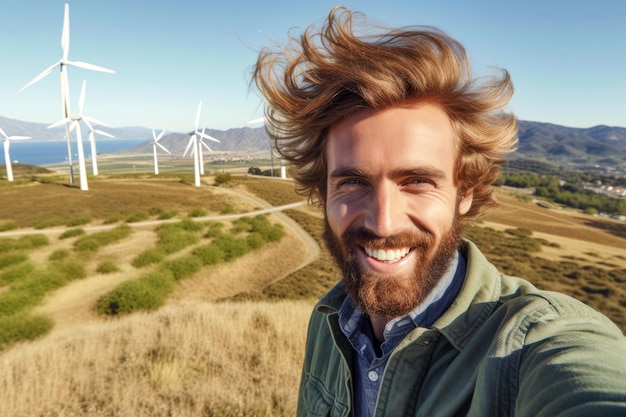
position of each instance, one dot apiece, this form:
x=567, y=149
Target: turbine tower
x=7, y=157
x=65, y=88
x=155, y=143
x=202, y=144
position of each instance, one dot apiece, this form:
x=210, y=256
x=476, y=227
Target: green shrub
x=208, y=254
x=11, y=258
x=148, y=257
x=223, y=178
x=156, y=211
x=137, y=217
x=232, y=246
x=16, y=272
x=48, y=223
x=27, y=242
x=114, y=218
x=183, y=267
x=69, y=269
x=5, y=227
x=16, y=301
x=197, y=213
x=59, y=255
x=107, y=267
x=21, y=327
x=95, y=241
x=174, y=236
x=167, y=215
x=147, y=293
x=79, y=221
x=215, y=229
x=72, y=233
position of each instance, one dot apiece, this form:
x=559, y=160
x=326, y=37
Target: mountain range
x=603, y=146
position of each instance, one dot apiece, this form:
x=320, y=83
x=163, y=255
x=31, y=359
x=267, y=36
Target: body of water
x=55, y=152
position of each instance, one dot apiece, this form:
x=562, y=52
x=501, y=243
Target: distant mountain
x=555, y=144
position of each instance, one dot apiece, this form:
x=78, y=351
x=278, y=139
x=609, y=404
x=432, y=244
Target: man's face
x=391, y=204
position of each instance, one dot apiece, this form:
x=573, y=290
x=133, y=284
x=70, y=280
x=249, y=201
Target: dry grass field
x=204, y=354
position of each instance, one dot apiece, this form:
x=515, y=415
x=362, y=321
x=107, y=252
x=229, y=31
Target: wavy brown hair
x=322, y=77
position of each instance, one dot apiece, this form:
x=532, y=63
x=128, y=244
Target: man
x=399, y=145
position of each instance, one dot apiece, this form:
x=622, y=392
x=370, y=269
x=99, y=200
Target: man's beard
x=392, y=296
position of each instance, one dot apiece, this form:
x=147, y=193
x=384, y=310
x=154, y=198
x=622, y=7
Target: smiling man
x=399, y=145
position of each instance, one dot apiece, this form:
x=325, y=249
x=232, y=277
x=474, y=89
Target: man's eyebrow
x=348, y=172
x=425, y=172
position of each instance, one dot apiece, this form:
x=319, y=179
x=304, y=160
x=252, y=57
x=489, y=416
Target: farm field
x=229, y=339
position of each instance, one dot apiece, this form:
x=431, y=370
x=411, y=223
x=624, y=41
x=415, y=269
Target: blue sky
x=567, y=57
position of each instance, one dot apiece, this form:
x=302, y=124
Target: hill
x=563, y=146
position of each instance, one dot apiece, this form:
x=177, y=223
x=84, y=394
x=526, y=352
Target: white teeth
x=391, y=255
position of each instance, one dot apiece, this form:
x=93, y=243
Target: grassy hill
x=229, y=339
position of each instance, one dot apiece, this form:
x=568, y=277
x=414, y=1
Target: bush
x=176, y=236
x=22, y=327
x=208, y=254
x=197, y=213
x=72, y=233
x=107, y=267
x=95, y=241
x=148, y=257
x=232, y=246
x=24, y=243
x=147, y=293
x=4, y=227
x=7, y=259
x=183, y=267
x=17, y=272
x=137, y=217
x=79, y=221
x=223, y=178
x=59, y=255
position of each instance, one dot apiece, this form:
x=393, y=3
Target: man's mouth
x=387, y=255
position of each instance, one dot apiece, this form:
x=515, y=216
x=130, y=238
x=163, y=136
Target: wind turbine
x=195, y=150
x=7, y=158
x=155, y=143
x=73, y=122
x=90, y=122
x=200, y=145
x=65, y=87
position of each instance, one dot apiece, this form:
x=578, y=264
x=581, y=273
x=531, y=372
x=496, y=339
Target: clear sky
x=567, y=57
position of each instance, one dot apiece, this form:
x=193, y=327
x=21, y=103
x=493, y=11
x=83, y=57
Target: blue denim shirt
x=370, y=364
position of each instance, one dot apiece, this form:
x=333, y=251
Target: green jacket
x=504, y=348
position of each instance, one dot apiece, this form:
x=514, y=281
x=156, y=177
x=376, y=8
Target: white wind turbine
x=73, y=122
x=155, y=143
x=7, y=157
x=90, y=122
x=65, y=88
x=202, y=144
x=195, y=150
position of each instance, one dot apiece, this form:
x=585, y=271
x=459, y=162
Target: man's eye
x=351, y=182
x=420, y=183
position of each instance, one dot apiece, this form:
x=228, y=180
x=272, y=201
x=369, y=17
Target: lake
x=54, y=152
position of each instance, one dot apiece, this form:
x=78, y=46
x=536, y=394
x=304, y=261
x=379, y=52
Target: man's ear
x=465, y=202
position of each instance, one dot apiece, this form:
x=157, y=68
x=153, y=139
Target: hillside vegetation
x=226, y=337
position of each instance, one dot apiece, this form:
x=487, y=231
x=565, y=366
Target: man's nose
x=385, y=211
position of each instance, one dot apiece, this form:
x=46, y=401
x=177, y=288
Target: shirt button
x=373, y=376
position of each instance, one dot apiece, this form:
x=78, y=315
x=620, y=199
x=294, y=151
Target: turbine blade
x=39, y=77
x=94, y=121
x=81, y=100
x=198, y=115
x=65, y=35
x=160, y=135
x=60, y=123
x=3, y=134
x=163, y=147
x=204, y=135
x=88, y=66
x=257, y=120
x=89, y=126
x=206, y=146
x=154, y=135
x=191, y=141
x=19, y=137
x=103, y=133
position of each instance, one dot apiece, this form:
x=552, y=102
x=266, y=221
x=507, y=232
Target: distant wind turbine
x=7, y=157
x=65, y=88
x=73, y=122
x=155, y=143
x=194, y=144
x=202, y=144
